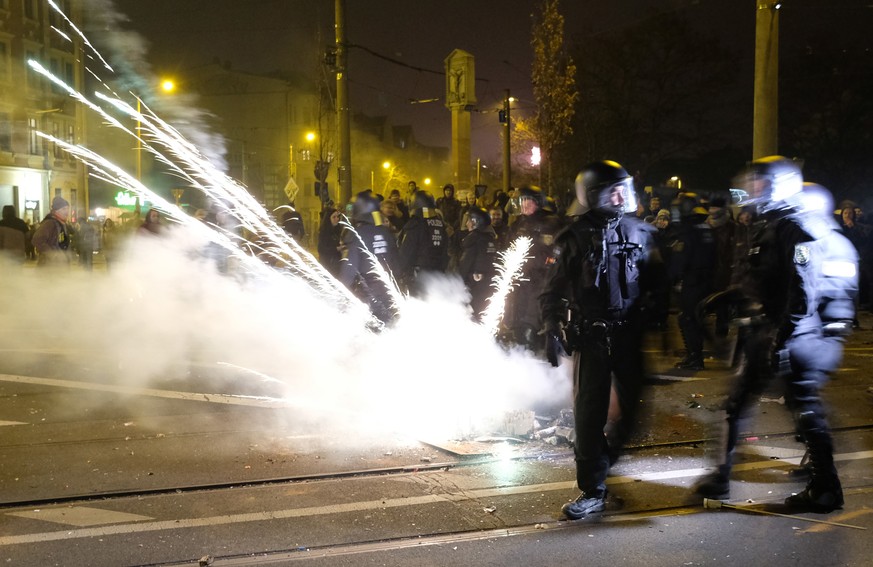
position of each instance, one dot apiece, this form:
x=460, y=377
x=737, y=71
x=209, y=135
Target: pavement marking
x=768, y=451
x=80, y=516
x=380, y=504
x=259, y=401
x=840, y=518
x=2, y=423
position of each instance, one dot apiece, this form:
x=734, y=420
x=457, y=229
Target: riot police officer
x=478, y=255
x=522, y=319
x=803, y=272
x=605, y=265
x=366, y=242
x=693, y=257
x=424, y=242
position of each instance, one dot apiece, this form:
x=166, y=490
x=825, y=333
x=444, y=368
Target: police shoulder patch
x=801, y=254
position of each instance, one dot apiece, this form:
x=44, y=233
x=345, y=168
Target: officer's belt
x=602, y=326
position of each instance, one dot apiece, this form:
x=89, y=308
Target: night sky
x=289, y=35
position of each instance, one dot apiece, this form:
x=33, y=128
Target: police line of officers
x=593, y=283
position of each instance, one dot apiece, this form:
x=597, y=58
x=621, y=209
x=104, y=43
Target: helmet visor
x=617, y=198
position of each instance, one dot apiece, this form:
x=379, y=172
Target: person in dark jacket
x=424, y=243
x=523, y=320
x=605, y=264
x=329, y=246
x=52, y=237
x=478, y=257
x=13, y=235
x=692, y=267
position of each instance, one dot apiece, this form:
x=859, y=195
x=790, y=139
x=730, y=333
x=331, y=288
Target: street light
x=168, y=86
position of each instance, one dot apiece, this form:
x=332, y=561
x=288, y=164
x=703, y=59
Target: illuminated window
x=56, y=132
x=34, y=145
x=31, y=9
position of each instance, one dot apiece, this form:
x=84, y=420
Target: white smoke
x=163, y=313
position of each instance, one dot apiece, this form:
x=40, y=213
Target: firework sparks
x=184, y=159
x=508, y=273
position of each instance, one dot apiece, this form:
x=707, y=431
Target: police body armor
x=610, y=282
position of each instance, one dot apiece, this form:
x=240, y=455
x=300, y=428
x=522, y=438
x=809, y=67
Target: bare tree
x=554, y=86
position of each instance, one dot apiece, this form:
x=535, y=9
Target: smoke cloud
x=164, y=313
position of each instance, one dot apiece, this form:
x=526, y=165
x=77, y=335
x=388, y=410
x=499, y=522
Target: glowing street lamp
x=168, y=86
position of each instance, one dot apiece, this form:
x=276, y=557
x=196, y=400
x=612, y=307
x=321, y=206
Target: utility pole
x=344, y=159
x=765, y=130
x=507, y=174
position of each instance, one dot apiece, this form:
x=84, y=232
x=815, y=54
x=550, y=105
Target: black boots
x=715, y=485
x=823, y=494
x=691, y=362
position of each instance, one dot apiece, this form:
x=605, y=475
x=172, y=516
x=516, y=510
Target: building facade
x=33, y=170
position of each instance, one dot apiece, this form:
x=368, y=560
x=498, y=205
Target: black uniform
x=604, y=265
x=368, y=242
x=804, y=274
x=477, y=265
x=424, y=247
x=693, y=262
x=523, y=319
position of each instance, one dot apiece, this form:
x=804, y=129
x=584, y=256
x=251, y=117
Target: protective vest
x=603, y=266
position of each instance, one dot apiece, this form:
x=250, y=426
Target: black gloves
x=556, y=346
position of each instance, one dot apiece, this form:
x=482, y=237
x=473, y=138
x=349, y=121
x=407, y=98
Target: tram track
x=456, y=537
x=460, y=462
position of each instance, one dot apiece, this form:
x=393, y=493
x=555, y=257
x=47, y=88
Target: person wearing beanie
x=52, y=237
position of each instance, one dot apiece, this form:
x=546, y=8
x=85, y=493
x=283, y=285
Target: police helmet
x=598, y=185
x=478, y=217
x=772, y=182
x=817, y=200
x=422, y=203
x=365, y=208
x=532, y=192
x=688, y=205
x=550, y=205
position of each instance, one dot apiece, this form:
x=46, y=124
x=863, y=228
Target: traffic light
x=501, y=115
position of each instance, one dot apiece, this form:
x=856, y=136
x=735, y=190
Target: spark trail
x=509, y=271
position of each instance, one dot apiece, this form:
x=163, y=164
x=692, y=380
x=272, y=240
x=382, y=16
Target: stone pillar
x=460, y=98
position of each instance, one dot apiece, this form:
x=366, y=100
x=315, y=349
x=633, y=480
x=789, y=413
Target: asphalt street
x=95, y=473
